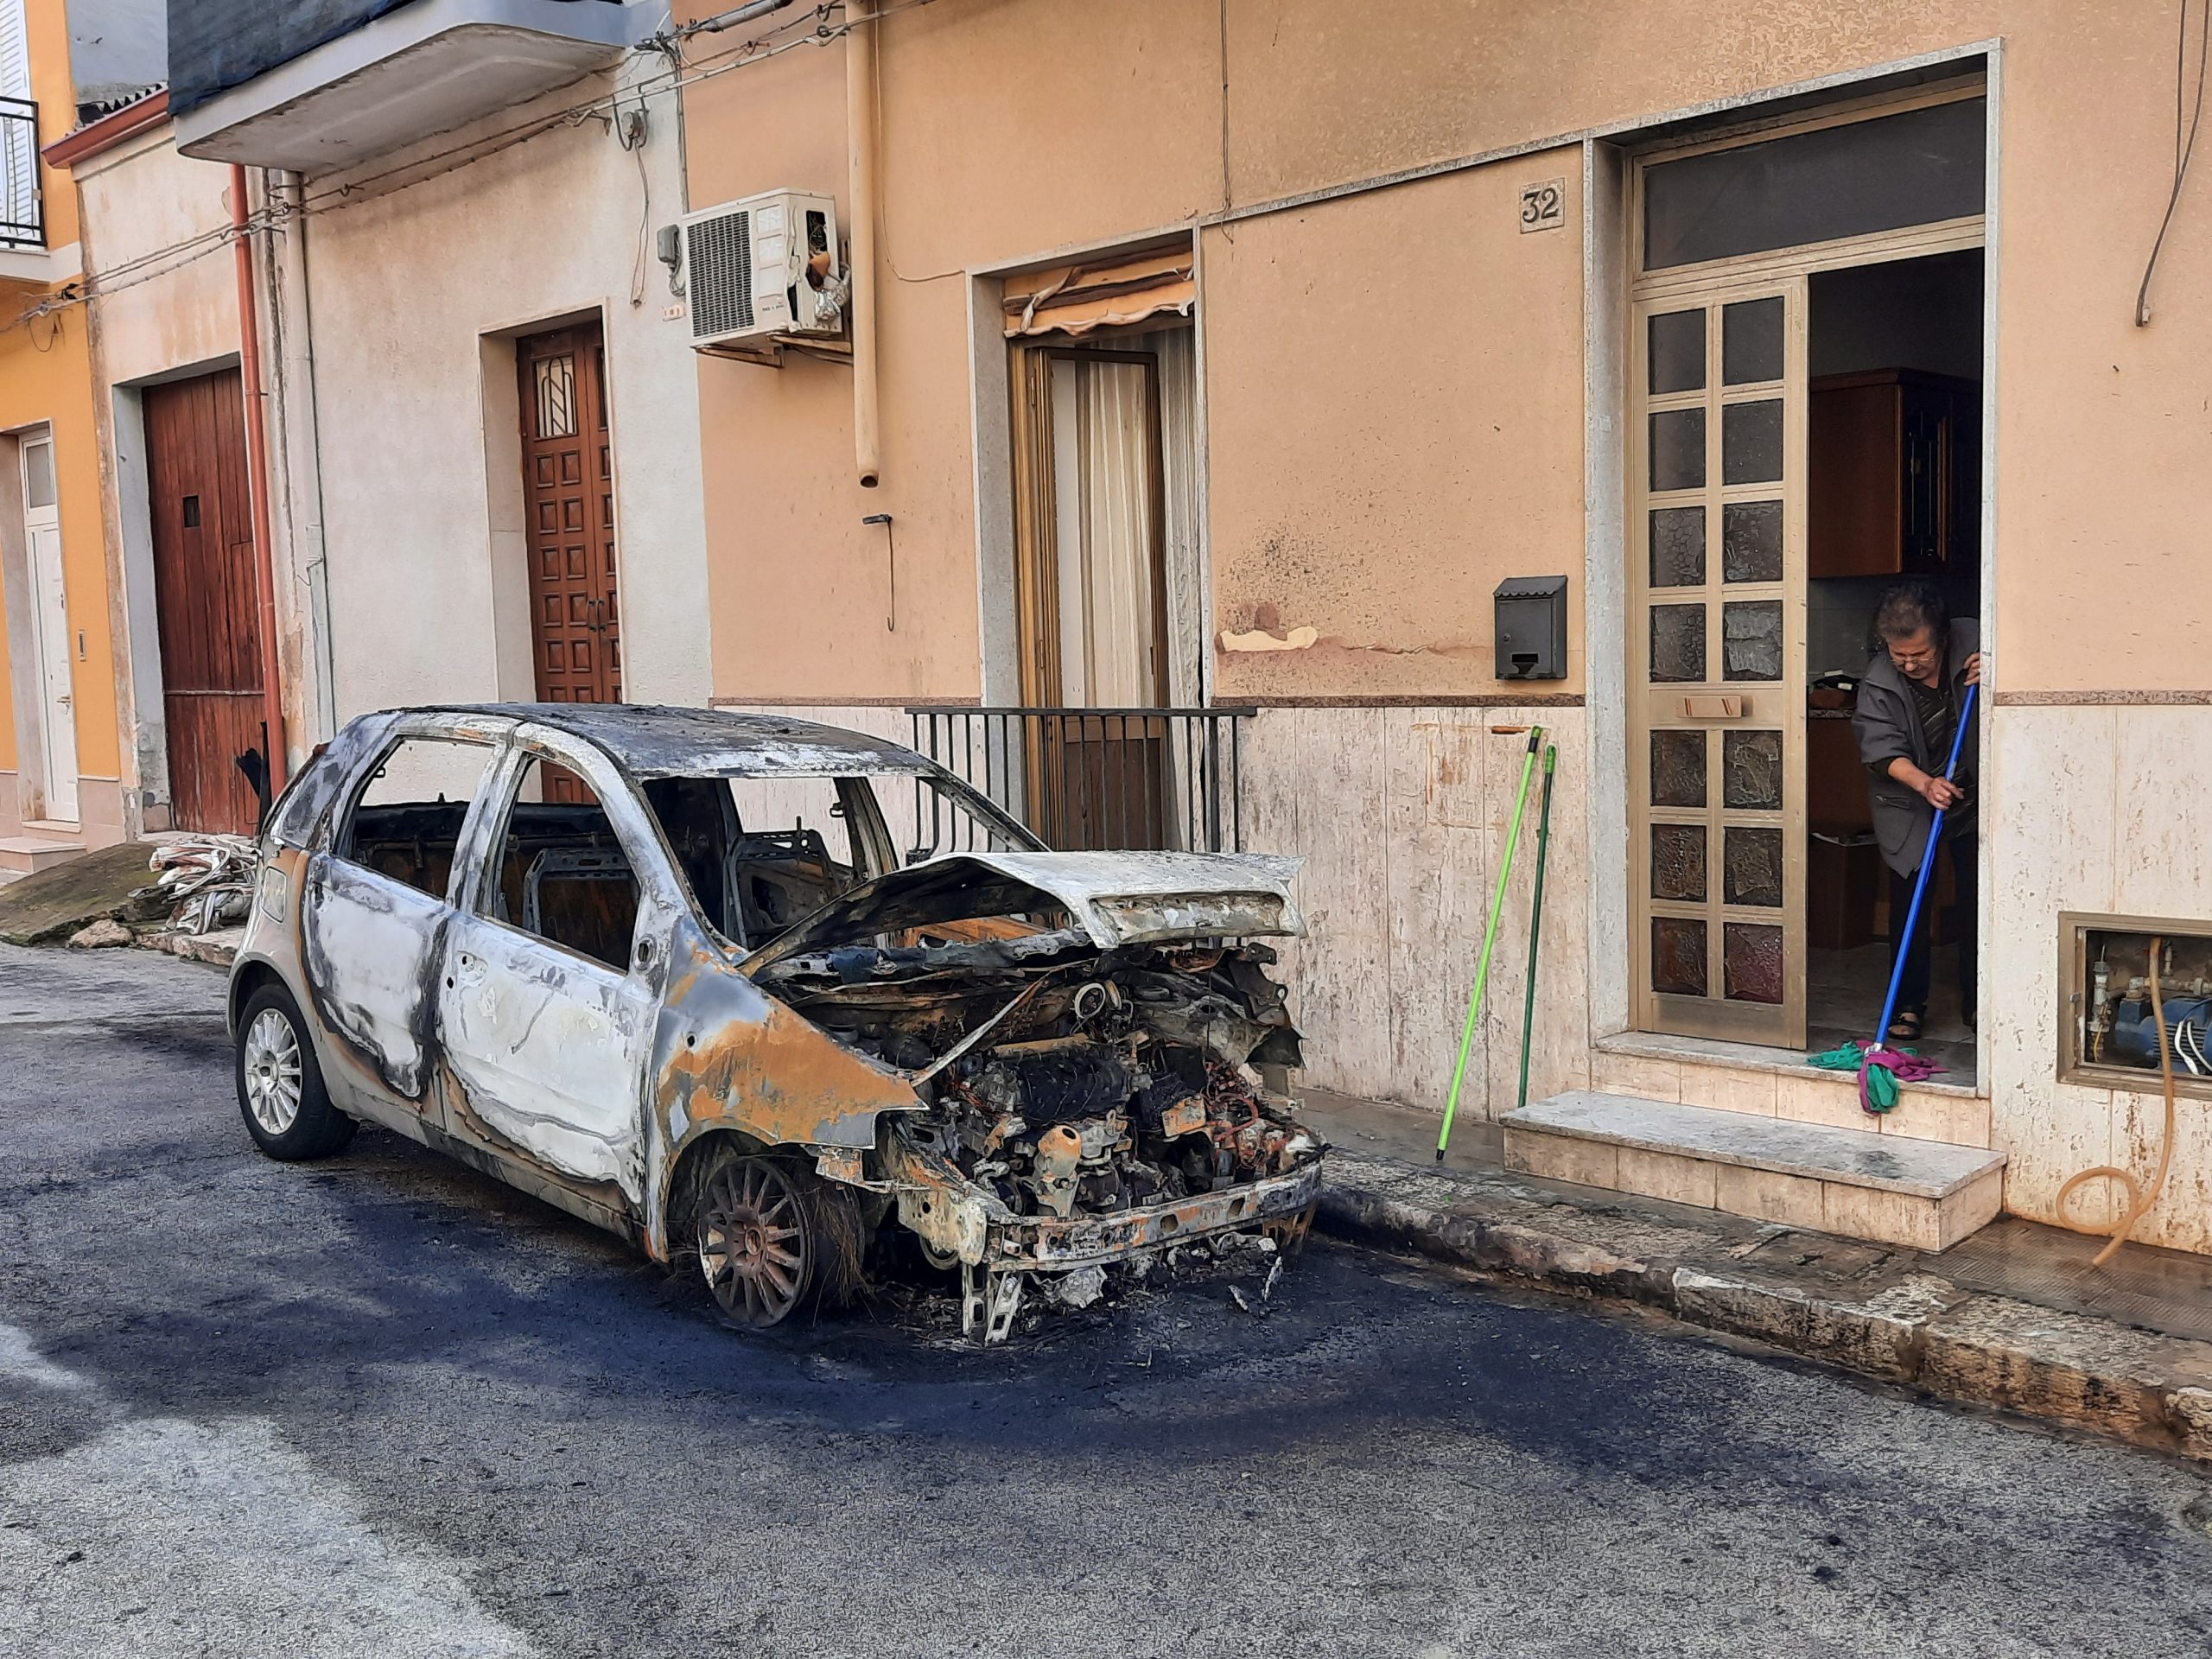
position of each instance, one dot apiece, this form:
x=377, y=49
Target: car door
x=548, y=1000
x=378, y=900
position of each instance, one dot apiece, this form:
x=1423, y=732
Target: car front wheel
x=759, y=1236
x=287, y=1109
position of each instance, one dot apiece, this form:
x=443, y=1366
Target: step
x=29, y=854
x=1925, y=1195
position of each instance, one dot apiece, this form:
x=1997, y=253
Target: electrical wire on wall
x=684, y=71
x=2184, y=143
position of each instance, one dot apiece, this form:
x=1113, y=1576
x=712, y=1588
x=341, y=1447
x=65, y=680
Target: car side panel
x=547, y=1048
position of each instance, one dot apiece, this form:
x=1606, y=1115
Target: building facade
x=61, y=779
x=491, y=449
x=1236, y=355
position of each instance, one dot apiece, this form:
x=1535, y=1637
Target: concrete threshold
x=1883, y=1311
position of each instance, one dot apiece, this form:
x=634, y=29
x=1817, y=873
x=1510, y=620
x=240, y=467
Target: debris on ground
x=102, y=935
x=49, y=907
x=206, y=882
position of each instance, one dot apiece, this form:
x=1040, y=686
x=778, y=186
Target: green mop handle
x=1536, y=915
x=1489, y=941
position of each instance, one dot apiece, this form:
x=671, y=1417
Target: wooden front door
x=569, y=499
x=207, y=620
x=1716, y=661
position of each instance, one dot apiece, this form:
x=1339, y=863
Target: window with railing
x=22, y=219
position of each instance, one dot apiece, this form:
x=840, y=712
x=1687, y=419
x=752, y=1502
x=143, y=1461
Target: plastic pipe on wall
x=257, y=472
x=860, y=160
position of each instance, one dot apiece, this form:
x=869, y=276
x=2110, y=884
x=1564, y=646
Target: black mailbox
x=1532, y=628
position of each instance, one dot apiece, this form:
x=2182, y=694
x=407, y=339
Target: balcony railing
x=22, y=214
x=1096, y=779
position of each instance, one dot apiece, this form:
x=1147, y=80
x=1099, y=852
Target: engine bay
x=1066, y=1081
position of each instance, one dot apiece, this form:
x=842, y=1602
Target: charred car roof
x=647, y=741
x=657, y=741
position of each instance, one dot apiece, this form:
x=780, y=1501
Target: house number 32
x=1543, y=207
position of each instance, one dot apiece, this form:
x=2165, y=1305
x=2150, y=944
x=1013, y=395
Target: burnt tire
x=772, y=1238
x=280, y=1093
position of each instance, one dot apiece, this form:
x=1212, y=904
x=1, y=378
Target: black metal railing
x=22, y=214
x=1100, y=780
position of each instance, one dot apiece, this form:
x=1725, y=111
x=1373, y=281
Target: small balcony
x=324, y=87
x=23, y=211
x=1098, y=779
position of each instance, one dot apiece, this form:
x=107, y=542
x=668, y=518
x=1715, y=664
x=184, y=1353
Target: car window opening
x=762, y=852
x=407, y=820
x=562, y=874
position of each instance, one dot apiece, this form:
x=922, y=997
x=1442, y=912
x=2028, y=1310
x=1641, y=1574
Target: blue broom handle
x=1920, y=882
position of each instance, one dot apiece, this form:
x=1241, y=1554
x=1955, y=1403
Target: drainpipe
x=860, y=139
x=257, y=472
x=302, y=406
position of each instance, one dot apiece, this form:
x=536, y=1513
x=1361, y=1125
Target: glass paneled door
x=1717, y=662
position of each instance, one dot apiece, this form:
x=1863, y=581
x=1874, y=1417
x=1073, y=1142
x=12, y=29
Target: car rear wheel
x=760, y=1238
x=287, y=1109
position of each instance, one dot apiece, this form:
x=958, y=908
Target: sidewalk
x=2011, y=1317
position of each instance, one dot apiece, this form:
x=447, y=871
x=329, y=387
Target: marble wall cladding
x=2100, y=810
x=1402, y=815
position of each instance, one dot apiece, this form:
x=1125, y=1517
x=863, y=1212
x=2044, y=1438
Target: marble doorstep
x=1923, y=1194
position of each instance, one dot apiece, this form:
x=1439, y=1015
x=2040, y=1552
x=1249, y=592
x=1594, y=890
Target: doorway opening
x=1893, y=467
x=203, y=602
x=1805, y=383
x=576, y=624
x=1104, y=429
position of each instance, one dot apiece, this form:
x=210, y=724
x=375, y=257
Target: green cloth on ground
x=1845, y=1057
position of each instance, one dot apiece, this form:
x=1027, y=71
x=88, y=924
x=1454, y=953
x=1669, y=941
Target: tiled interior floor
x=1845, y=990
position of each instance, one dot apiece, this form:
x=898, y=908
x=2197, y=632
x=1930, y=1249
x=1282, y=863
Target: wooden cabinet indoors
x=1894, y=474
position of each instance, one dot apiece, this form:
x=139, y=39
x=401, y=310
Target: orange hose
x=2140, y=1199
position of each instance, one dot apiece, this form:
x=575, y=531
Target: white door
x=50, y=630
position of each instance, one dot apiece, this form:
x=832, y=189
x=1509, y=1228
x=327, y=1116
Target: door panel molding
x=1716, y=660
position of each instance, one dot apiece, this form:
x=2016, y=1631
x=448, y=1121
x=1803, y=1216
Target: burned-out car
x=669, y=970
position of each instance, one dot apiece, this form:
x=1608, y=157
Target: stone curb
x=1919, y=1329
x=217, y=950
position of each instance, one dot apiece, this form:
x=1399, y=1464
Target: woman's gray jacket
x=1887, y=724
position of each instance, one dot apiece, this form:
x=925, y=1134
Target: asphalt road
x=384, y=1407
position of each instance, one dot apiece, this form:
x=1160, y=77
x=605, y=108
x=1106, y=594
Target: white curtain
x=1106, y=481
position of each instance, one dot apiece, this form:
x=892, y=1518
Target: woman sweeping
x=1909, y=701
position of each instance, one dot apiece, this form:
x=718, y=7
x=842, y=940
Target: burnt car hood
x=1115, y=898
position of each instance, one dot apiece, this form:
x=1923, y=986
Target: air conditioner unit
x=764, y=266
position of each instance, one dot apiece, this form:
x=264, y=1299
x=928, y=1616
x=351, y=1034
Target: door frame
x=55, y=717
x=593, y=393
x=1617, y=297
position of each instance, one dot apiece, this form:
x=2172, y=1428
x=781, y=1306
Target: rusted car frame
x=780, y=1101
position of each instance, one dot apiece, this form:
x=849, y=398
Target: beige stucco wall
x=413, y=289
x=1394, y=395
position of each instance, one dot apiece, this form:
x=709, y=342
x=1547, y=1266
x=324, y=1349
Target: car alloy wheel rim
x=752, y=1241
x=272, y=1071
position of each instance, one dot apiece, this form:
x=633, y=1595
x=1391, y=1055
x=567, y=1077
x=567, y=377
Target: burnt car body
x=573, y=947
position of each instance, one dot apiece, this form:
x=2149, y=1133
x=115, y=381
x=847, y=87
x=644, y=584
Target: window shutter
x=18, y=133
